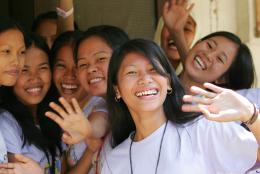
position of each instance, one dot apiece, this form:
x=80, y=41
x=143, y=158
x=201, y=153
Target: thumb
x=21, y=158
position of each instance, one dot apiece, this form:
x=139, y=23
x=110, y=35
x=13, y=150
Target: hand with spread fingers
x=222, y=105
x=71, y=119
x=175, y=14
x=24, y=165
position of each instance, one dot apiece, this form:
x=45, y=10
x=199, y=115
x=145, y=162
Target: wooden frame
x=257, y=14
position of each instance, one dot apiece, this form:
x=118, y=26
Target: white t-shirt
x=252, y=94
x=204, y=147
x=3, y=150
x=12, y=134
x=95, y=104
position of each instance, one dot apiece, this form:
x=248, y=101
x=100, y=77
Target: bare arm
x=175, y=16
x=65, y=24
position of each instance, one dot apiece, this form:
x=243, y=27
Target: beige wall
x=135, y=16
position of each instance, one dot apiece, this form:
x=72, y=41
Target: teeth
x=146, y=93
x=171, y=41
x=95, y=80
x=200, y=63
x=69, y=86
x=33, y=90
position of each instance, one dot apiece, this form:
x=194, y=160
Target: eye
x=152, y=69
x=22, y=52
x=6, y=51
x=209, y=45
x=83, y=65
x=60, y=65
x=131, y=72
x=102, y=59
x=44, y=67
x=24, y=70
x=220, y=60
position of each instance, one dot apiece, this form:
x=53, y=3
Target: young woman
x=146, y=117
x=217, y=58
x=12, y=47
x=24, y=127
x=92, y=52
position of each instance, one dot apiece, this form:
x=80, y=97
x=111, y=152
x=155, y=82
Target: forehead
x=12, y=37
x=191, y=21
x=135, y=59
x=93, y=45
x=35, y=56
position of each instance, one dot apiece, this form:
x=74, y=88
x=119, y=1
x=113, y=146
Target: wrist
x=254, y=112
x=64, y=14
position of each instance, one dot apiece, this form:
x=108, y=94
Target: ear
x=169, y=84
x=118, y=96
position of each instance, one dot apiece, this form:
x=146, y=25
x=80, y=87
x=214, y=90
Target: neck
x=146, y=123
x=187, y=82
x=83, y=102
x=33, y=110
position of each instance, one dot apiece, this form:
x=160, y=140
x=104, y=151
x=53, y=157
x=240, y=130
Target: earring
x=117, y=99
x=169, y=90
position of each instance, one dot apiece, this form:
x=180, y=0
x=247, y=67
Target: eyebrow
x=99, y=52
x=42, y=64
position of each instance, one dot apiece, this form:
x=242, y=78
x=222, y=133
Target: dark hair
x=120, y=118
x=242, y=65
x=112, y=35
x=8, y=23
x=46, y=16
x=48, y=137
x=64, y=39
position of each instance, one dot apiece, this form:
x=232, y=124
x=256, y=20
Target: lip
x=13, y=72
x=95, y=80
x=34, y=90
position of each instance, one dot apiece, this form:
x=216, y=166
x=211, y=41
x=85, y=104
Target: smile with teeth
x=171, y=43
x=34, y=91
x=69, y=86
x=95, y=80
x=200, y=63
x=147, y=93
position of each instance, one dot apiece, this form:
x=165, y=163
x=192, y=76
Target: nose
x=34, y=76
x=71, y=73
x=211, y=56
x=92, y=69
x=144, y=79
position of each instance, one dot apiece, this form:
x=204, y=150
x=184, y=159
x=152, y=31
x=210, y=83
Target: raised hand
x=75, y=125
x=24, y=165
x=175, y=14
x=220, y=105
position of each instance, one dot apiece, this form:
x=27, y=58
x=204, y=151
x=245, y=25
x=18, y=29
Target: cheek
x=189, y=36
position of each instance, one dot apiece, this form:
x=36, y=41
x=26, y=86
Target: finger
x=214, y=88
x=7, y=165
x=184, y=3
x=66, y=138
x=6, y=171
x=58, y=109
x=55, y=118
x=166, y=7
x=22, y=158
x=66, y=105
x=190, y=8
x=223, y=116
x=199, y=91
x=197, y=99
x=190, y=108
x=76, y=105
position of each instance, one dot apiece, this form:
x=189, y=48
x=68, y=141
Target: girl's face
x=12, y=53
x=65, y=76
x=209, y=59
x=168, y=45
x=35, y=78
x=48, y=30
x=93, y=58
x=139, y=84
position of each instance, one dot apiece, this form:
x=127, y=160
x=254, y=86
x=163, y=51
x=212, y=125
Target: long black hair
x=241, y=73
x=48, y=137
x=120, y=118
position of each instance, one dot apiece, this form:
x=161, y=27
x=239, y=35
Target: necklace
x=159, y=153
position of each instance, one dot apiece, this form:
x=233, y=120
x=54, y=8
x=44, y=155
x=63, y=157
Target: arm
x=65, y=24
x=85, y=162
x=222, y=105
x=175, y=16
